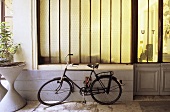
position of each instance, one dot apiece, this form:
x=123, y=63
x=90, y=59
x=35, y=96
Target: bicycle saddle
x=96, y=65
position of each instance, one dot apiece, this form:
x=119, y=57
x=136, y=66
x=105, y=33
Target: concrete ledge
x=29, y=81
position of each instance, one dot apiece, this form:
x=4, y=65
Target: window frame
x=134, y=32
x=40, y=59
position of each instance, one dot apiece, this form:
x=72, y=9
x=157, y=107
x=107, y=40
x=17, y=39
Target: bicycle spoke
x=114, y=88
x=49, y=95
x=62, y=91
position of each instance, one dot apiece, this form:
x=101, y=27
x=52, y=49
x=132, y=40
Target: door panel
x=165, y=79
x=147, y=79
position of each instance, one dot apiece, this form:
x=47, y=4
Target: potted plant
x=7, y=47
x=12, y=100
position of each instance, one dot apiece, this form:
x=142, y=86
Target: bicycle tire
x=99, y=93
x=54, y=92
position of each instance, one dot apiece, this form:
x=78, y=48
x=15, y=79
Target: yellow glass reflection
x=115, y=32
x=85, y=32
x=103, y=28
x=166, y=31
x=105, y=31
x=126, y=31
x=64, y=29
x=95, y=31
x=75, y=30
x=54, y=26
x=44, y=31
x=148, y=31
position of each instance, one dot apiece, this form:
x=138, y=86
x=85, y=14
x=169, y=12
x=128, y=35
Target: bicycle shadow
x=75, y=106
x=71, y=106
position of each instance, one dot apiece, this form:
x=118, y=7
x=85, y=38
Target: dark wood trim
x=120, y=31
x=148, y=30
x=49, y=32
x=90, y=34
x=3, y=11
x=40, y=61
x=110, y=31
x=59, y=31
x=160, y=30
x=100, y=28
x=70, y=29
x=80, y=31
x=134, y=45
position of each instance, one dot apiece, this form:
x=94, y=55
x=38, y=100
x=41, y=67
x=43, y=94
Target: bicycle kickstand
x=84, y=100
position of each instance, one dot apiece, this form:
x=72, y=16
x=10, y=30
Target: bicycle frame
x=65, y=76
x=103, y=83
x=92, y=72
x=105, y=89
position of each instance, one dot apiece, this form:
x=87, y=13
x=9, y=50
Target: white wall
x=22, y=30
x=30, y=81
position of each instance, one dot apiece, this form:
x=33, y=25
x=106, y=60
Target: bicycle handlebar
x=67, y=61
x=70, y=54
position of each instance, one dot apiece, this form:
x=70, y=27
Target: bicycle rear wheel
x=99, y=90
x=54, y=92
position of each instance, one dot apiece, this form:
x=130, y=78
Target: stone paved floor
x=140, y=104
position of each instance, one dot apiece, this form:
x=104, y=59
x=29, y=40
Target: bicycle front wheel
x=54, y=92
x=100, y=93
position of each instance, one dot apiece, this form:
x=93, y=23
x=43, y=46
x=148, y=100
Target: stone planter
x=3, y=91
x=12, y=101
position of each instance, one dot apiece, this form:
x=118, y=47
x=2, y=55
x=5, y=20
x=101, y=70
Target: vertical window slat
x=49, y=32
x=80, y=31
x=120, y=31
x=90, y=34
x=110, y=31
x=59, y=31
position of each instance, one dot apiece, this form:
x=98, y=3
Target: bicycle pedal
x=121, y=83
x=84, y=102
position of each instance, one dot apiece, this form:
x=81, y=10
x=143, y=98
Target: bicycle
x=104, y=89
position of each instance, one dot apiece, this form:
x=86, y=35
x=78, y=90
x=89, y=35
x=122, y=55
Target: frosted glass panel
x=54, y=30
x=44, y=28
x=75, y=30
x=85, y=31
x=126, y=31
x=64, y=29
x=166, y=31
x=105, y=31
x=95, y=31
x=92, y=30
x=115, y=32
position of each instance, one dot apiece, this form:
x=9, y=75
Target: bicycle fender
x=101, y=76
x=114, y=77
